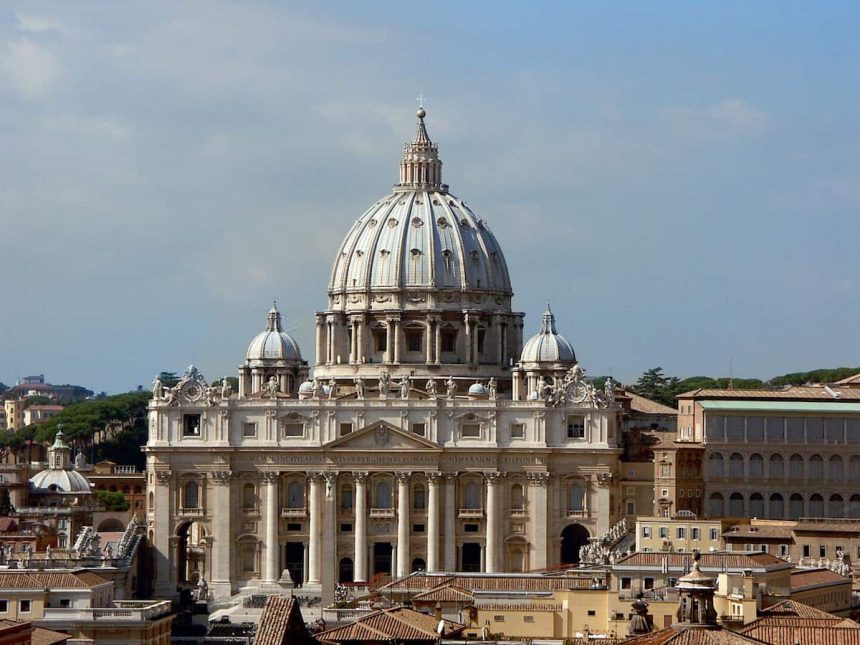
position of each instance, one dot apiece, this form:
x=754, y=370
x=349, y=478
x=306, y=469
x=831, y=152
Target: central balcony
x=471, y=512
x=191, y=512
x=294, y=512
x=574, y=513
x=519, y=512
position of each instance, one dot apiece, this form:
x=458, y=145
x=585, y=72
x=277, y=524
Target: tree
x=112, y=500
x=652, y=384
x=168, y=379
x=38, y=399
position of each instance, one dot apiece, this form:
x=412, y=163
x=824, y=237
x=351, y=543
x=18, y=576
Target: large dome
x=420, y=241
x=273, y=343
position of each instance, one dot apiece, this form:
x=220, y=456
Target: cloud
x=30, y=68
x=727, y=118
x=30, y=23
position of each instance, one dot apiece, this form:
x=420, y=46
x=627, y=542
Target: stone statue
x=492, y=388
x=49, y=551
x=211, y=396
x=171, y=394
x=384, y=384
x=272, y=387
x=332, y=387
x=202, y=591
x=609, y=390
x=157, y=389
x=405, y=387
x=359, y=387
x=226, y=389
x=430, y=387
x=316, y=389
x=80, y=460
x=108, y=552
x=451, y=386
x=95, y=544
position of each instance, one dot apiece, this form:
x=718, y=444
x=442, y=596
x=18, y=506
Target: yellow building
x=14, y=413
x=682, y=533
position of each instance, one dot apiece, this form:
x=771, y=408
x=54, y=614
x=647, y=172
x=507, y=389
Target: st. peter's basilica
x=427, y=435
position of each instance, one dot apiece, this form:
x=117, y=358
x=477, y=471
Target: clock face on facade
x=192, y=391
x=578, y=392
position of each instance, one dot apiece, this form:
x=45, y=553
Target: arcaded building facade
x=427, y=436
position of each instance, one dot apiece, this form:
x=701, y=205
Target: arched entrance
x=111, y=525
x=345, y=571
x=471, y=557
x=382, y=558
x=294, y=557
x=418, y=564
x=190, y=553
x=573, y=537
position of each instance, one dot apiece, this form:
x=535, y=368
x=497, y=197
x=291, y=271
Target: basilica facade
x=426, y=436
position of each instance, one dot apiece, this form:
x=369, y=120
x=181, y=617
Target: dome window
x=464, y=222
x=359, y=253
x=446, y=258
x=474, y=256
x=442, y=222
x=415, y=252
x=418, y=202
x=417, y=222
x=392, y=222
x=436, y=202
x=372, y=222
x=384, y=253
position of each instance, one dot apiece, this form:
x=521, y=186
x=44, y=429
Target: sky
x=680, y=180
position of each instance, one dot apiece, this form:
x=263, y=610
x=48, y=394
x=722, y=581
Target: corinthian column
x=314, y=537
x=270, y=565
x=433, y=480
x=222, y=512
x=402, y=524
x=450, y=521
x=493, y=485
x=360, y=571
x=537, y=526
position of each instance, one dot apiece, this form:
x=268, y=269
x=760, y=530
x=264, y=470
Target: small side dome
x=477, y=389
x=548, y=346
x=63, y=481
x=306, y=390
x=273, y=343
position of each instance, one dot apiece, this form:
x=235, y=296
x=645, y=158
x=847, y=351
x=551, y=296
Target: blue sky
x=680, y=179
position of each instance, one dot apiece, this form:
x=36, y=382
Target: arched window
x=192, y=495
x=295, y=495
x=517, y=499
x=715, y=465
x=736, y=465
x=795, y=506
x=418, y=564
x=383, y=495
x=854, y=506
x=419, y=498
x=816, y=505
x=736, y=505
x=795, y=466
x=756, y=505
x=249, y=497
x=777, y=466
x=854, y=468
x=816, y=468
x=836, y=506
x=756, y=465
x=716, y=505
x=151, y=501
x=834, y=469
x=574, y=498
x=776, y=507
x=472, y=496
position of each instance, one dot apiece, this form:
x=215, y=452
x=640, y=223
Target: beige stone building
x=429, y=438
x=683, y=533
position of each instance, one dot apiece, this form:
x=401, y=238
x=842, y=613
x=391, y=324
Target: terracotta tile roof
x=812, y=577
x=42, y=580
x=281, y=623
x=710, y=561
x=418, y=581
x=41, y=636
x=849, y=380
x=789, y=393
x=794, y=609
x=527, y=582
x=692, y=636
x=398, y=623
x=8, y=524
x=445, y=593
x=647, y=406
x=791, y=635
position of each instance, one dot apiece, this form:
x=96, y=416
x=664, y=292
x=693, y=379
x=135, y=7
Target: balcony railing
x=381, y=512
x=294, y=512
x=471, y=512
x=126, y=470
x=519, y=512
x=191, y=512
x=124, y=611
x=577, y=512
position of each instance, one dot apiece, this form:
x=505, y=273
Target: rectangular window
x=592, y=612
x=646, y=531
x=65, y=603
x=575, y=427
x=471, y=430
x=783, y=550
x=249, y=429
x=413, y=340
x=715, y=534
x=448, y=338
x=499, y=618
x=419, y=428
x=4, y=606
x=806, y=551
x=625, y=583
x=346, y=528
x=379, y=340
x=682, y=533
x=470, y=528
x=664, y=492
x=631, y=508
x=417, y=528
x=649, y=583
x=518, y=431
x=294, y=429
x=665, y=470
x=296, y=526
x=345, y=429
x=482, y=335
x=680, y=492
x=346, y=499
x=664, y=532
x=695, y=533
x=191, y=425
x=25, y=606
x=528, y=619
x=822, y=551
x=671, y=582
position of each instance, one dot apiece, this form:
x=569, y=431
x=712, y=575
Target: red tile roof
x=814, y=577
x=281, y=623
x=791, y=635
x=692, y=636
x=43, y=580
x=711, y=561
x=397, y=623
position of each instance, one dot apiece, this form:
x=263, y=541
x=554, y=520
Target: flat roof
x=782, y=406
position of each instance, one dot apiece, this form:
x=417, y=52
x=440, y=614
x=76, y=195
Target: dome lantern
x=548, y=346
x=420, y=166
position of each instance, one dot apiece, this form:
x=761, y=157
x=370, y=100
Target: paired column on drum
x=270, y=562
x=403, y=560
x=360, y=561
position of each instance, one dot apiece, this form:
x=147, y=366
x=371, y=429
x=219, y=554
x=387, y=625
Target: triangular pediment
x=382, y=436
